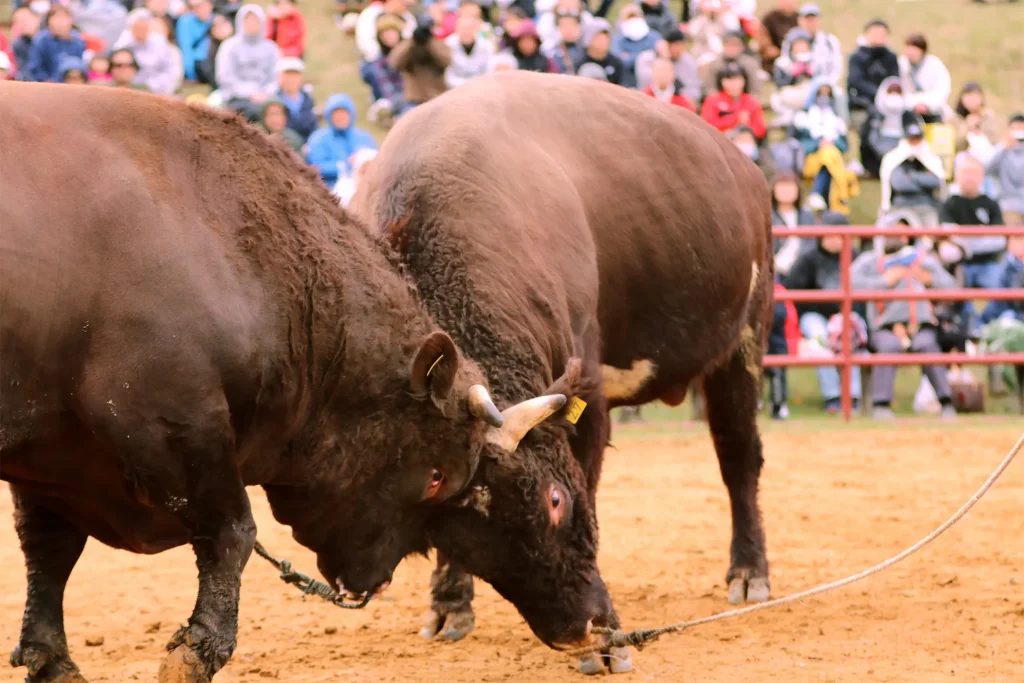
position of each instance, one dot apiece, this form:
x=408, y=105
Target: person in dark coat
x=774, y=27
x=221, y=29
x=295, y=95
x=870, y=64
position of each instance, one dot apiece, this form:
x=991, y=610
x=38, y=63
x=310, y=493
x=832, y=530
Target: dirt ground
x=835, y=501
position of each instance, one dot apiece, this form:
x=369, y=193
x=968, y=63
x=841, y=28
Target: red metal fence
x=846, y=296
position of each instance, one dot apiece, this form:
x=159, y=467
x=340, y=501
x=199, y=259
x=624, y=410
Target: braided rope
x=306, y=584
x=640, y=637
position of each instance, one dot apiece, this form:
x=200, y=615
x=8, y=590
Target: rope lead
x=307, y=584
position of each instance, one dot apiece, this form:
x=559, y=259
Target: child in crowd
x=99, y=69
x=823, y=136
x=732, y=105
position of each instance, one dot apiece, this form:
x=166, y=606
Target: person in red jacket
x=732, y=105
x=666, y=87
x=287, y=27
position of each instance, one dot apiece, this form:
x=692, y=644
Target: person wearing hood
x=774, y=27
x=57, y=40
x=246, y=64
x=792, y=75
x=658, y=16
x=296, y=97
x=913, y=177
x=193, y=36
x=331, y=147
x=823, y=136
x=526, y=49
x=567, y=49
x=1007, y=166
x=683, y=63
x=471, y=54
x=902, y=326
x=926, y=81
x=633, y=38
x=274, y=122
x=884, y=127
x=422, y=61
x=158, y=69
x=73, y=70
x=665, y=87
x=870, y=65
x=734, y=46
x=597, y=43
x=104, y=19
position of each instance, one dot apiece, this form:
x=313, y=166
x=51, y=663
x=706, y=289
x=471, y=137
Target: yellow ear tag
x=434, y=364
x=576, y=407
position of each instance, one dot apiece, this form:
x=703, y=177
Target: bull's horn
x=482, y=407
x=521, y=418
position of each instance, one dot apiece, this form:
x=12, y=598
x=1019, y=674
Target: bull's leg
x=52, y=546
x=731, y=394
x=451, y=609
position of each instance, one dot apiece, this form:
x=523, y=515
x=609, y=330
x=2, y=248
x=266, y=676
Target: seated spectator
x=346, y=186
x=902, y=326
x=510, y=26
x=774, y=27
x=1007, y=166
x=124, y=70
x=685, y=66
x=665, y=87
x=104, y=19
x=221, y=29
x=818, y=269
x=912, y=176
x=1013, y=278
x=734, y=50
x=787, y=212
x=567, y=50
x=884, y=127
x=745, y=141
x=983, y=258
x=163, y=27
x=732, y=105
x=823, y=136
x=471, y=54
x=708, y=31
x=977, y=129
x=386, y=85
x=793, y=75
x=287, y=27
x=526, y=49
x=296, y=97
x=161, y=9
x=57, y=40
x=193, y=37
x=274, y=122
x=99, y=69
x=247, y=64
x=634, y=37
x=547, y=22
x=597, y=43
x=72, y=70
x=503, y=61
x=870, y=65
x=331, y=147
x=158, y=69
x=368, y=31
x=826, y=53
x=422, y=61
x=659, y=16
x=24, y=27
x=926, y=81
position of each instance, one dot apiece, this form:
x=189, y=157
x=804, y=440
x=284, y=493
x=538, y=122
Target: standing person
x=774, y=27
x=1007, y=165
x=926, y=81
x=246, y=64
x=870, y=65
x=331, y=147
x=292, y=91
x=422, y=61
x=732, y=105
x=287, y=27
x=193, y=34
x=57, y=40
x=471, y=54
x=158, y=70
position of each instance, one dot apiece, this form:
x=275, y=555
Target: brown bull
x=500, y=195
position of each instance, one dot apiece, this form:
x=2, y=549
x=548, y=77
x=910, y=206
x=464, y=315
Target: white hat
x=290, y=64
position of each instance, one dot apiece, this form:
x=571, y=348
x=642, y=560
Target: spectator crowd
x=815, y=118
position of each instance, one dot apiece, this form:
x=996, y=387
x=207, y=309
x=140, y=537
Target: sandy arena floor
x=834, y=502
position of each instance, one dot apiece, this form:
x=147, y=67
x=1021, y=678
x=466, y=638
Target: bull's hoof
x=748, y=590
x=451, y=626
x=591, y=664
x=44, y=666
x=618, y=660
x=182, y=665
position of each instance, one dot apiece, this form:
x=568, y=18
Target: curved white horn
x=521, y=418
x=482, y=407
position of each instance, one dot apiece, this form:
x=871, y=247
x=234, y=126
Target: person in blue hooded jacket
x=333, y=145
x=58, y=40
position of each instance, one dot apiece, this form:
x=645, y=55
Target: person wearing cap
x=193, y=32
x=659, y=16
x=287, y=27
x=734, y=46
x=673, y=48
x=912, y=177
x=1007, y=166
x=158, y=69
x=827, y=58
x=732, y=105
x=870, y=64
x=296, y=96
x=774, y=27
x=926, y=80
x=597, y=43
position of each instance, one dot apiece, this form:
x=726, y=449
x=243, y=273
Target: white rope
x=640, y=637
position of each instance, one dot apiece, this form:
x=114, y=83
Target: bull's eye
x=436, y=479
x=556, y=499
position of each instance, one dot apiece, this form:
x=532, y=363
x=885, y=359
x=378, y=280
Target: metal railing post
x=845, y=391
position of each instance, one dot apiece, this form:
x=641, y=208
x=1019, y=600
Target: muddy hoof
x=453, y=626
x=45, y=667
x=591, y=664
x=182, y=665
x=754, y=590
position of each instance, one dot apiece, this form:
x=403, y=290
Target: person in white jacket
x=366, y=26
x=157, y=69
x=471, y=54
x=926, y=81
x=827, y=60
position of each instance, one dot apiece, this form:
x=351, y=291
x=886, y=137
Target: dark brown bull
x=185, y=311
x=494, y=196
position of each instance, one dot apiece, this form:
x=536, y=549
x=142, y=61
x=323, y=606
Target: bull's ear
x=569, y=383
x=434, y=367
